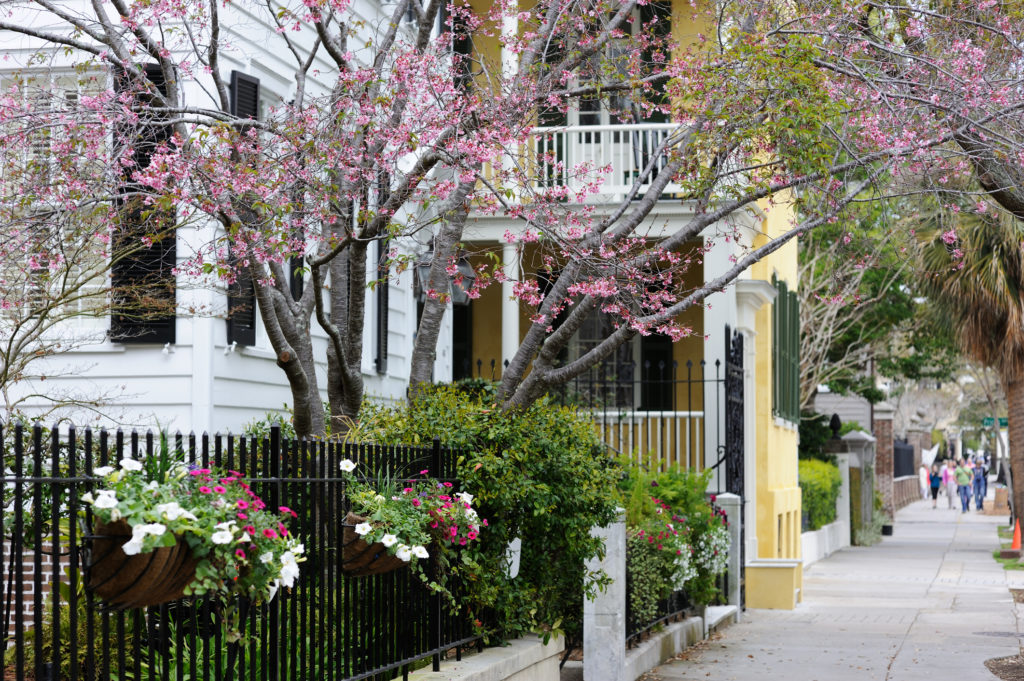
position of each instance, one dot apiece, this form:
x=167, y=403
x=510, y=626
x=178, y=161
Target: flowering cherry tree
x=395, y=128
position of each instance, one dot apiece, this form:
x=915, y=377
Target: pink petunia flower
x=205, y=490
x=242, y=504
x=242, y=516
x=249, y=529
x=447, y=484
x=269, y=533
x=406, y=490
x=454, y=530
x=220, y=489
x=424, y=471
x=283, y=529
x=240, y=553
x=416, y=502
x=285, y=509
x=471, y=535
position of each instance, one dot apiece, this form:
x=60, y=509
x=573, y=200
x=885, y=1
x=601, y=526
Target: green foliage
x=539, y=474
x=647, y=567
x=814, y=433
x=819, y=485
x=260, y=428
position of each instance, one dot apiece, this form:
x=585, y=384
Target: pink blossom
x=242, y=516
x=242, y=504
x=205, y=490
x=220, y=489
x=269, y=533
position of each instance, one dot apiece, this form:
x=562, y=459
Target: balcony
x=617, y=154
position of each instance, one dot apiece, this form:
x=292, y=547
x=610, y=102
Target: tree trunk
x=425, y=348
x=1015, y=412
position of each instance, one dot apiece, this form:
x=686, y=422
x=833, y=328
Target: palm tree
x=973, y=270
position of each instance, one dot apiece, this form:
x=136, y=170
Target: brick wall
x=883, y=461
x=8, y=581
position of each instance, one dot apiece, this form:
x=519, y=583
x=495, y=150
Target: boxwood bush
x=819, y=484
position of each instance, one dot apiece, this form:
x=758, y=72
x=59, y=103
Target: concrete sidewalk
x=929, y=602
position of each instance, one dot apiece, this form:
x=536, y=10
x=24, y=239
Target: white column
x=732, y=505
x=604, y=618
x=509, y=29
x=509, y=304
x=843, y=500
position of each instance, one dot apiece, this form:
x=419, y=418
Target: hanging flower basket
x=140, y=580
x=359, y=558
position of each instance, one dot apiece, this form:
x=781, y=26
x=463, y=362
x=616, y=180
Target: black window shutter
x=242, y=309
x=295, y=281
x=381, y=298
x=245, y=95
x=144, y=279
x=245, y=102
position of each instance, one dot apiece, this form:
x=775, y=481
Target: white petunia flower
x=389, y=540
x=298, y=549
x=133, y=546
x=226, y=525
x=273, y=587
x=173, y=511
x=403, y=553
x=363, y=529
x=221, y=537
x=103, y=471
x=131, y=465
x=464, y=497
x=105, y=498
x=244, y=538
x=266, y=557
x=88, y=498
x=289, y=569
x=420, y=552
x=347, y=465
x=155, y=529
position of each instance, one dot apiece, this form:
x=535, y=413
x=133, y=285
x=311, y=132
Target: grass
x=1006, y=533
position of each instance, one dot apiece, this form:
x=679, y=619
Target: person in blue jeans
x=963, y=476
x=979, y=483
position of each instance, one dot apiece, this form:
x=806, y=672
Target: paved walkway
x=927, y=603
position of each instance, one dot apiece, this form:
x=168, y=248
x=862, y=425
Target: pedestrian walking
x=963, y=476
x=935, y=483
x=923, y=480
x=979, y=484
x=949, y=482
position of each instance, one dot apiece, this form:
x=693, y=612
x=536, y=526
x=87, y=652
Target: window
x=785, y=353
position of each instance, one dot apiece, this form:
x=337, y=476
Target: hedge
x=819, y=483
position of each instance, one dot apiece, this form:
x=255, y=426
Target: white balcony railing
x=662, y=440
x=616, y=153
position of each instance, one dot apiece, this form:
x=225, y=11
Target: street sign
x=988, y=422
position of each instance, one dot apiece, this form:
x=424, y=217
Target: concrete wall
x=525, y=659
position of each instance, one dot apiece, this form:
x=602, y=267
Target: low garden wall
x=524, y=659
x=823, y=542
x=905, y=490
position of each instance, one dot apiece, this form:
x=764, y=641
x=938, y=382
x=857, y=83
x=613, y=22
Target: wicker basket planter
x=142, y=580
x=359, y=558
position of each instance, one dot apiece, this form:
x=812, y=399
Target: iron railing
x=672, y=609
x=330, y=626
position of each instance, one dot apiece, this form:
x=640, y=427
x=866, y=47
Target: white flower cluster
x=403, y=552
x=712, y=550
x=139, y=533
x=289, y=567
x=685, y=568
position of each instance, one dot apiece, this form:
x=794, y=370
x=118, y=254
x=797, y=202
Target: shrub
x=702, y=528
x=819, y=484
x=539, y=474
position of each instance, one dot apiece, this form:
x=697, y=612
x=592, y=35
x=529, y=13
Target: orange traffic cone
x=1015, y=546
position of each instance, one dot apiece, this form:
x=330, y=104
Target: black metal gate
x=734, y=464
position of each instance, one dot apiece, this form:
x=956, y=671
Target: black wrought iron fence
x=672, y=609
x=329, y=626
